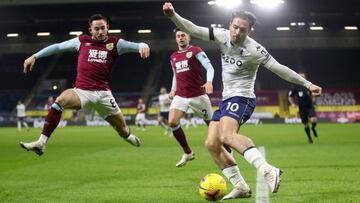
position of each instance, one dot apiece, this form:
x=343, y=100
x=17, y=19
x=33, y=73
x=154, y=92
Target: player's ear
x=90, y=30
x=108, y=26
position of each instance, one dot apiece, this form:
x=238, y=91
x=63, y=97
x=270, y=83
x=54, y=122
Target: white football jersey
x=239, y=64
x=164, y=102
x=20, y=108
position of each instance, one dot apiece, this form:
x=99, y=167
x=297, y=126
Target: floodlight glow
x=211, y=2
x=350, y=27
x=301, y=23
x=12, y=35
x=293, y=24
x=76, y=33
x=267, y=3
x=282, y=28
x=144, y=31
x=229, y=4
x=316, y=28
x=213, y=25
x=42, y=34
x=114, y=31
x=55, y=87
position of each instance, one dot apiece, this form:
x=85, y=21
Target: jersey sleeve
x=69, y=45
x=219, y=35
x=205, y=62
x=124, y=46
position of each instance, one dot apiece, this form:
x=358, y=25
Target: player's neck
x=182, y=48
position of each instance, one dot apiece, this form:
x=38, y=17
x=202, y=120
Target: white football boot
x=241, y=190
x=272, y=178
x=36, y=146
x=133, y=140
x=185, y=158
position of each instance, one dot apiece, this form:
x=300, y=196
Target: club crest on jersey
x=189, y=54
x=109, y=46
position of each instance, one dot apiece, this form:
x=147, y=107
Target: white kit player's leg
x=271, y=173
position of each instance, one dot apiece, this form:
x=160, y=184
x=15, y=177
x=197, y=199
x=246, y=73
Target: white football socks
x=232, y=173
x=255, y=158
x=43, y=139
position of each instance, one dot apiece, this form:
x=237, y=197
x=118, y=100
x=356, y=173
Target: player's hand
x=168, y=9
x=144, y=51
x=315, y=90
x=29, y=64
x=208, y=88
x=171, y=94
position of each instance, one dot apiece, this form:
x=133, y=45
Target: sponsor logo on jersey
x=87, y=44
x=189, y=54
x=97, y=56
x=181, y=66
x=109, y=46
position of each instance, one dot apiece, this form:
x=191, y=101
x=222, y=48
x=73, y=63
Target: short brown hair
x=97, y=16
x=245, y=15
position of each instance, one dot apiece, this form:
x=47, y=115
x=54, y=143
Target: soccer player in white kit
x=20, y=112
x=241, y=58
x=164, y=105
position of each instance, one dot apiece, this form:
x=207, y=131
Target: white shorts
x=201, y=105
x=140, y=118
x=102, y=101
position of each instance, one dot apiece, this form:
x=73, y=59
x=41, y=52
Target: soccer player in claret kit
x=241, y=58
x=140, y=119
x=306, y=108
x=96, y=56
x=188, y=89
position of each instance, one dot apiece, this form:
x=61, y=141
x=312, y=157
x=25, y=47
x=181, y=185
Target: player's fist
x=168, y=9
x=29, y=64
x=208, y=88
x=144, y=51
x=171, y=94
x=315, y=90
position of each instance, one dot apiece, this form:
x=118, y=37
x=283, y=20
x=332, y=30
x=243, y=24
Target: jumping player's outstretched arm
x=184, y=24
x=69, y=45
x=205, y=62
x=124, y=46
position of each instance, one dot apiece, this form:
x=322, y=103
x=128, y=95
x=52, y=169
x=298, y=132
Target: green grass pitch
x=92, y=164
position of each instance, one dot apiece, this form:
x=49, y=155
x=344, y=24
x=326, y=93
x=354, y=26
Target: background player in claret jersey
x=188, y=89
x=164, y=105
x=241, y=58
x=140, y=119
x=96, y=55
x=306, y=108
x=49, y=103
x=20, y=113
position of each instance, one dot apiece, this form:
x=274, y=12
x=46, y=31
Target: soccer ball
x=212, y=187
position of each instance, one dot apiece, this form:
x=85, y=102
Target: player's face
x=239, y=29
x=162, y=91
x=99, y=29
x=182, y=39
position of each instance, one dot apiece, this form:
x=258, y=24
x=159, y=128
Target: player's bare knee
x=173, y=124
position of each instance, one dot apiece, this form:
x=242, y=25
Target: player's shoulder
x=85, y=38
x=221, y=34
x=254, y=47
x=112, y=38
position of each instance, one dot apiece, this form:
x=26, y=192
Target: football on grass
x=212, y=187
